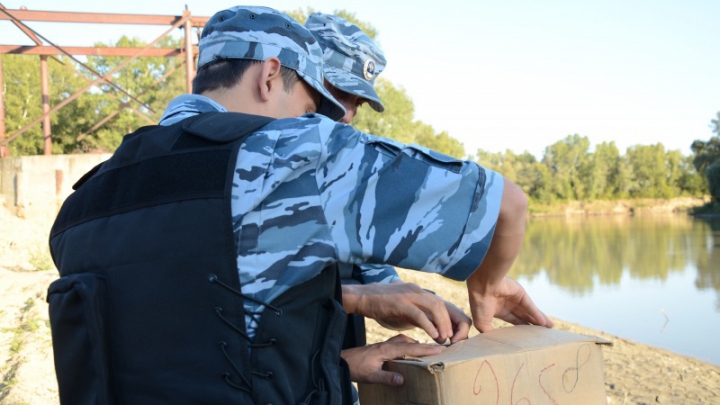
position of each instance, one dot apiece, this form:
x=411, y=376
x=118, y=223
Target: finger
x=482, y=318
x=438, y=313
x=532, y=314
x=541, y=319
x=548, y=322
x=461, y=323
x=461, y=332
x=423, y=321
x=387, y=378
x=391, y=351
x=483, y=327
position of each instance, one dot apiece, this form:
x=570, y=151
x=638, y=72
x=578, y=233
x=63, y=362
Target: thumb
x=482, y=324
x=386, y=378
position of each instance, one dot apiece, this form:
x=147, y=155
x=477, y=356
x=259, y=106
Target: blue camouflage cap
x=259, y=33
x=352, y=59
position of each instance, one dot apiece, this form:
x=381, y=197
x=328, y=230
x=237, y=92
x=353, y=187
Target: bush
x=713, y=176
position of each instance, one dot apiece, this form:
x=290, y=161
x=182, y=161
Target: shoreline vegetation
x=641, y=206
x=634, y=373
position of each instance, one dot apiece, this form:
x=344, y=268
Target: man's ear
x=270, y=77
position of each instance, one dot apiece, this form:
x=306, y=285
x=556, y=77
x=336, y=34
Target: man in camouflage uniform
x=366, y=205
x=352, y=62
x=307, y=193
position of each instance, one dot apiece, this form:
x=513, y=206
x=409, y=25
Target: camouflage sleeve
x=405, y=205
x=377, y=273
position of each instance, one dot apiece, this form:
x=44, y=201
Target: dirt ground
x=634, y=373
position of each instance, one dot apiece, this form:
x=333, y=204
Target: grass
x=29, y=323
x=40, y=259
x=9, y=380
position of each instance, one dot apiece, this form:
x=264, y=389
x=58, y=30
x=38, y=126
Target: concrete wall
x=35, y=186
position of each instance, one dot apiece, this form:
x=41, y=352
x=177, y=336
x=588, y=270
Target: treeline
x=706, y=159
x=571, y=170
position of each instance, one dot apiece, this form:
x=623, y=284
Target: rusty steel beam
x=19, y=132
x=45, y=90
x=101, y=18
x=189, y=71
x=34, y=36
x=89, y=50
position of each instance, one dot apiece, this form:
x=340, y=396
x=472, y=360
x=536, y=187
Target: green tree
x=650, y=169
x=705, y=153
x=626, y=183
x=397, y=120
x=712, y=173
x=690, y=182
x=425, y=135
x=524, y=170
x=569, y=164
x=21, y=97
x=23, y=104
x=603, y=172
x=490, y=160
x=141, y=79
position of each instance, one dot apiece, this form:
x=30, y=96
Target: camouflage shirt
x=310, y=191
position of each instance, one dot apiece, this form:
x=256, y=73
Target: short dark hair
x=227, y=72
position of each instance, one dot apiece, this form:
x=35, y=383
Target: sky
x=514, y=75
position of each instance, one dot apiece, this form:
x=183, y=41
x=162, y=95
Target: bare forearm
x=506, y=242
x=493, y=294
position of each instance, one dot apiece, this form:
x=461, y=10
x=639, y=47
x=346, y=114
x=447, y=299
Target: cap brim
x=328, y=107
x=349, y=83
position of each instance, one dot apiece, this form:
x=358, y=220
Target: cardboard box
x=517, y=365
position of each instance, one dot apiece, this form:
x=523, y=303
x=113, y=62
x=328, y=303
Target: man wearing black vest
x=199, y=263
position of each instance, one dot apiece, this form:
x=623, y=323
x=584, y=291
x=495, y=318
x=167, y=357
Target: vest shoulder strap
x=215, y=127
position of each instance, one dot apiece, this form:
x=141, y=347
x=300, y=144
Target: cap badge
x=369, y=69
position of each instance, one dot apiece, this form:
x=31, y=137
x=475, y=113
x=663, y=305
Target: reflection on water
x=638, y=277
x=577, y=251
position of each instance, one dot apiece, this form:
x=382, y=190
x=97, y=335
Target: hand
x=506, y=300
x=460, y=323
x=403, y=305
x=366, y=362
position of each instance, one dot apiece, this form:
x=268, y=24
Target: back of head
x=258, y=33
x=352, y=59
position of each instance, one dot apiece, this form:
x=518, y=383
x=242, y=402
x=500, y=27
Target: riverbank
x=634, y=373
x=643, y=206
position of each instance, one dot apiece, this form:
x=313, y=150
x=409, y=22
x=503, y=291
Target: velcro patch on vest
x=157, y=180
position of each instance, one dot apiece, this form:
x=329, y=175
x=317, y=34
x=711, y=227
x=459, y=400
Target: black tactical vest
x=148, y=308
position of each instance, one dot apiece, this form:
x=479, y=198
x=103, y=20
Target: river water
x=652, y=279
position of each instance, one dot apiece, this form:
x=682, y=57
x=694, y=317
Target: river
x=652, y=279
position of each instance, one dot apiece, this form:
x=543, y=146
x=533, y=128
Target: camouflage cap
x=259, y=33
x=352, y=59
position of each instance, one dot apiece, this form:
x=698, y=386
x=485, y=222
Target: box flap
x=510, y=339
